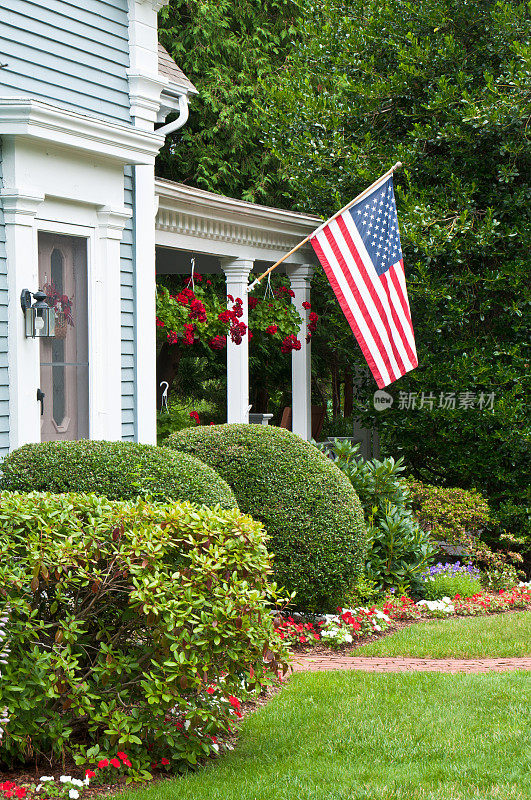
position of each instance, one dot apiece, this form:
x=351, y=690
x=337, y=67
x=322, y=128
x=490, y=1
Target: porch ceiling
x=203, y=222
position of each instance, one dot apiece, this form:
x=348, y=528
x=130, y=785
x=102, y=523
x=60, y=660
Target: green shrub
x=117, y=470
x=309, y=509
x=121, y=614
x=399, y=550
x=460, y=517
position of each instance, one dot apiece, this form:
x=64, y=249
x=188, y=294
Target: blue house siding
x=127, y=276
x=4, y=377
x=69, y=56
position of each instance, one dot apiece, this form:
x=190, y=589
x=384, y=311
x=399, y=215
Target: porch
x=236, y=238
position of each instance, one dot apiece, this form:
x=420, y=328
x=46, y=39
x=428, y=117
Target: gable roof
x=170, y=70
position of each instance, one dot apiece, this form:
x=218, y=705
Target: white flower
x=76, y=782
x=38, y=788
x=86, y=782
x=348, y=638
x=73, y=794
x=46, y=778
x=65, y=779
x=215, y=747
x=377, y=628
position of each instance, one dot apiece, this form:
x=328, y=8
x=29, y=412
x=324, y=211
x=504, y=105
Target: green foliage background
x=305, y=105
x=227, y=49
x=442, y=86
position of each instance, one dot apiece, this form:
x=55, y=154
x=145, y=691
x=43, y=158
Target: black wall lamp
x=39, y=317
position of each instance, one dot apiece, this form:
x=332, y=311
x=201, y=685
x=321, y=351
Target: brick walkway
x=318, y=663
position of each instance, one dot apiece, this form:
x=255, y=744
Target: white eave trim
x=199, y=221
x=178, y=197
x=34, y=119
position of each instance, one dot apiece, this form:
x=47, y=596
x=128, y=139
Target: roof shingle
x=170, y=70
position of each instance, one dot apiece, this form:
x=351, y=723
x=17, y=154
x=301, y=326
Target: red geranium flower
x=272, y=329
x=103, y=763
x=217, y=343
x=89, y=774
x=115, y=763
x=164, y=762
x=290, y=343
x=122, y=755
x=306, y=305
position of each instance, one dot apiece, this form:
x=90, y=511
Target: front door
x=64, y=358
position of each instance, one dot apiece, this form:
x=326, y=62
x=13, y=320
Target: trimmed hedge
x=120, y=616
x=117, y=470
x=309, y=508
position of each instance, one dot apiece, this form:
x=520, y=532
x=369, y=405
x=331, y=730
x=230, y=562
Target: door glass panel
x=64, y=358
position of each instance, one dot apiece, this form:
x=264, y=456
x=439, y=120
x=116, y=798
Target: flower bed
x=349, y=626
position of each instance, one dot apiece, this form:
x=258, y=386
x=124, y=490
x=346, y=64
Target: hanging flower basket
x=198, y=315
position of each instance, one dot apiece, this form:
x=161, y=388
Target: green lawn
x=360, y=736
x=496, y=636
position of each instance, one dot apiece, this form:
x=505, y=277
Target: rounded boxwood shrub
x=308, y=507
x=117, y=470
x=130, y=625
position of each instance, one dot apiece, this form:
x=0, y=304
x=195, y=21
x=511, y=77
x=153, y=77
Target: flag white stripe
x=382, y=294
x=367, y=299
x=352, y=302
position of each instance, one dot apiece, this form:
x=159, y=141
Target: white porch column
x=145, y=301
x=301, y=364
x=237, y=277
x=20, y=207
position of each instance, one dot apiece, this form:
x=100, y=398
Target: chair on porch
x=318, y=417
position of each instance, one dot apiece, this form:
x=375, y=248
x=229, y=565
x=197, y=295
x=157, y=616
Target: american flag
x=361, y=254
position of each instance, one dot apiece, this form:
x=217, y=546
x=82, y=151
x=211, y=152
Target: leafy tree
x=226, y=49
x=443, y=86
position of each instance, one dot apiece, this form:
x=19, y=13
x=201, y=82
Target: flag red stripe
x=367, y=316
x=372, y=291
x=347, y=312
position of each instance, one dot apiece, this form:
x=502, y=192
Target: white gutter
x=181, y=120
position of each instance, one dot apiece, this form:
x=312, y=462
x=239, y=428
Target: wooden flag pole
x=363, y=194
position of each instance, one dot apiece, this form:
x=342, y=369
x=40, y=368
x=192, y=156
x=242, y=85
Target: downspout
x=181, y=120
